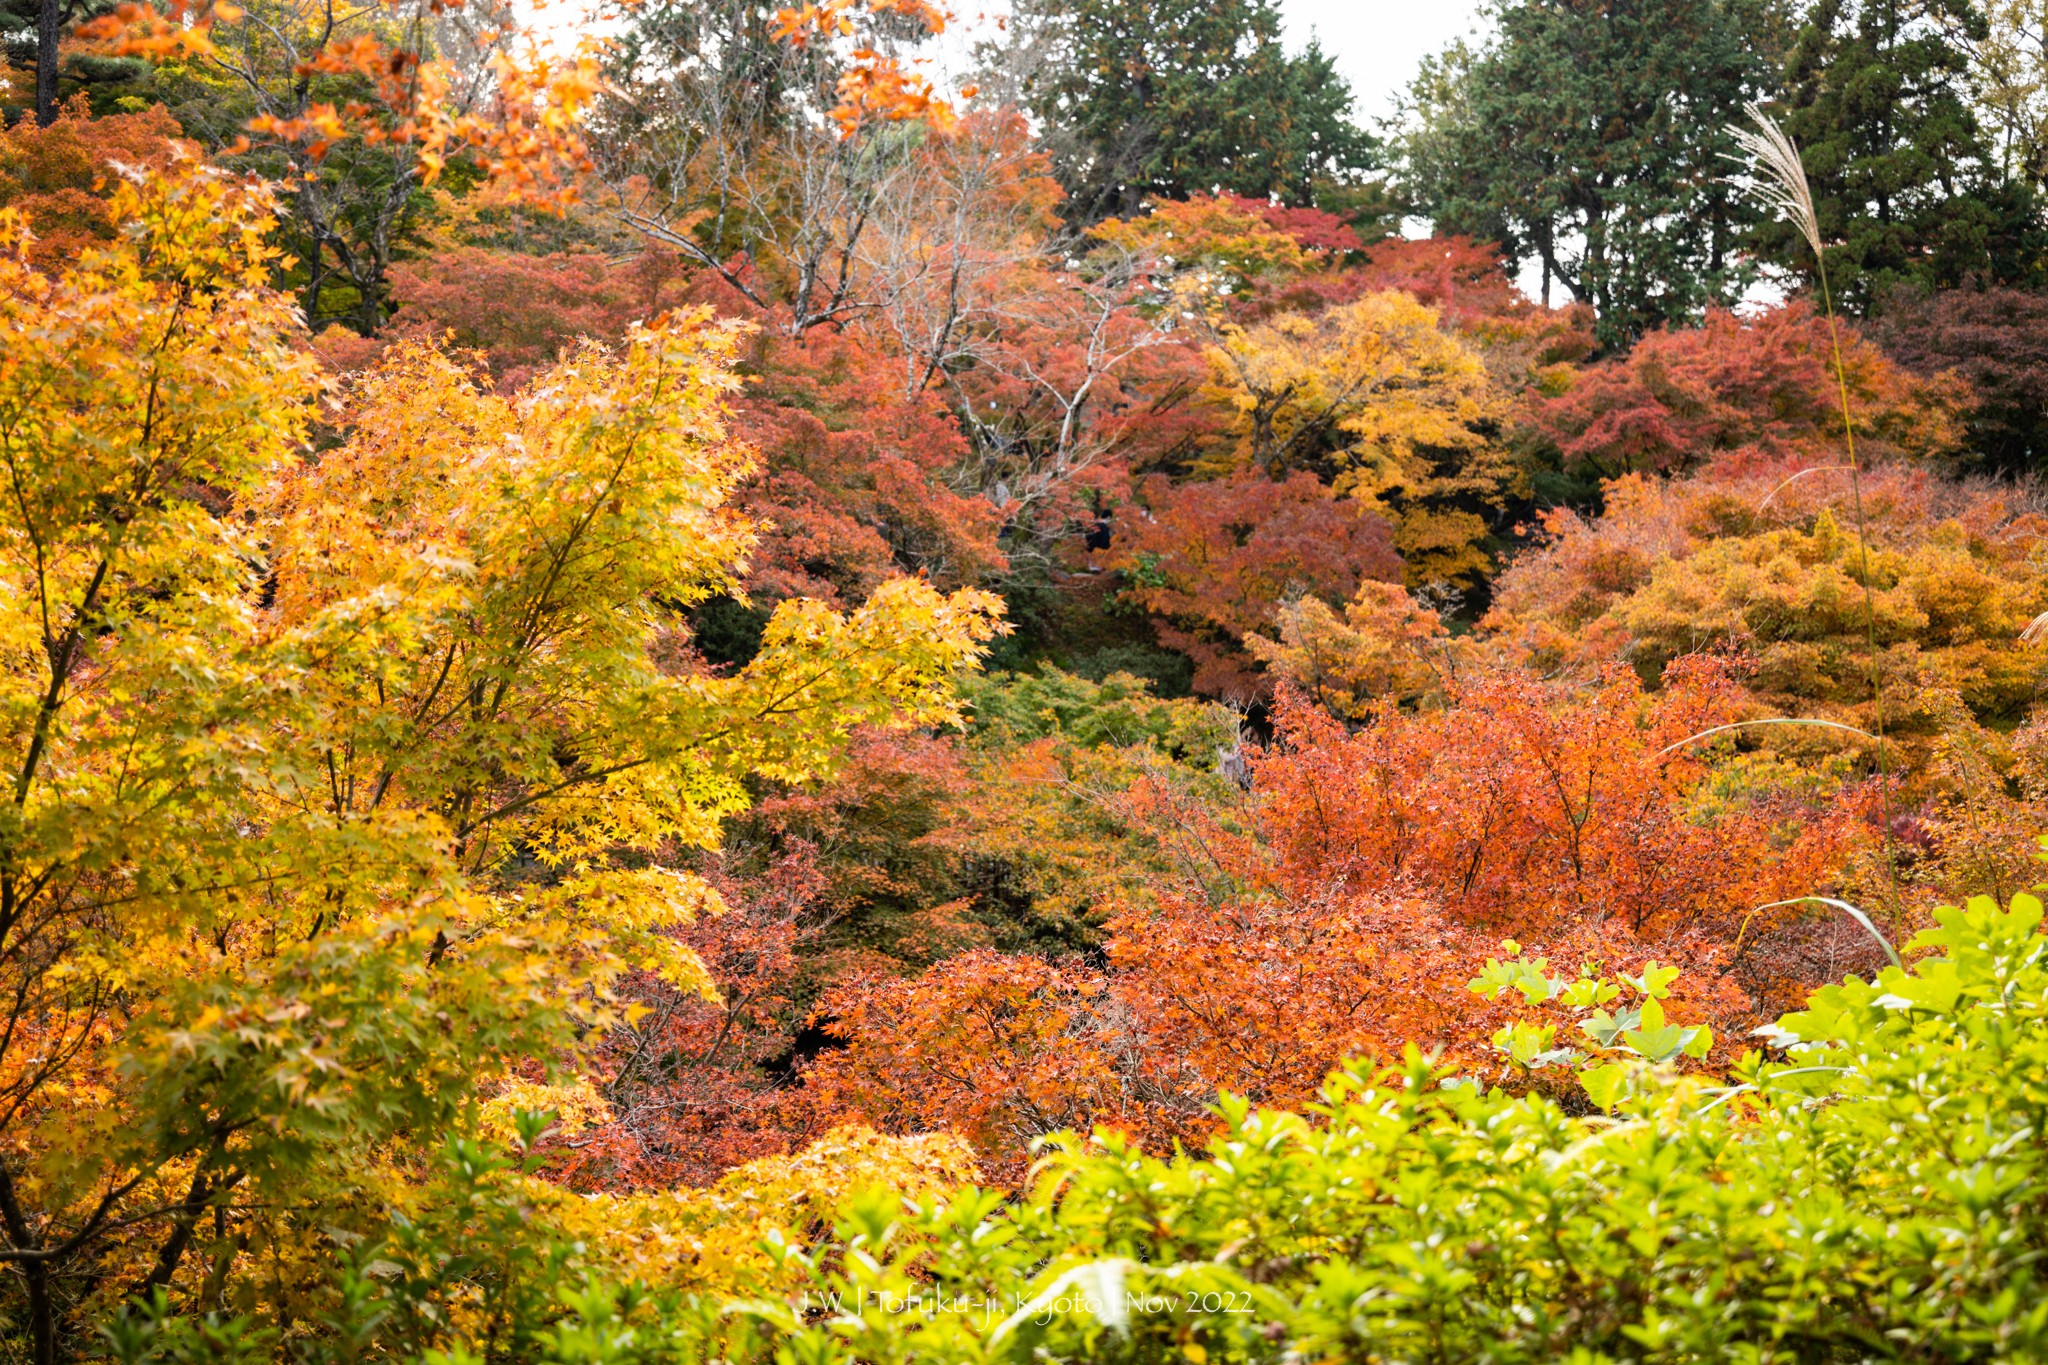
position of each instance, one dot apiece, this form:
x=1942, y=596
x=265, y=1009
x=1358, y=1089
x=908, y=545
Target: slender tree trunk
x=48, y=15
x=35, y=1272
x=42, y=1322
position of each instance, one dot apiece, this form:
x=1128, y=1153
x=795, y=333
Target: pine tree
x=1906, y=186
x=1166, y=98
x=1588, y=136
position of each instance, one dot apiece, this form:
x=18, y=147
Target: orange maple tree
x=1212, y=561
x=61, y=178
x=1759, y=387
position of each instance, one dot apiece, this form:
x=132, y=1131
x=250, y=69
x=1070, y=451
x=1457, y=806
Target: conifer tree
x=1167, y=98
x=1588, y=137
x=1904, y=182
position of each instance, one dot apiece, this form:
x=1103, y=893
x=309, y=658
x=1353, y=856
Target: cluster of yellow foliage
x=717, y=1240
x=1405, y=411
x=332, y=777
x=1769, y=566
x=1387, y=648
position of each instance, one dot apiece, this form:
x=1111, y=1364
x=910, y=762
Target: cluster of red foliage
x=518, y=313
x=689, y=1080
x=1758, y=387
x=1213, y=560
x=1313, y=228
x=853, y=485
x=1997, y=340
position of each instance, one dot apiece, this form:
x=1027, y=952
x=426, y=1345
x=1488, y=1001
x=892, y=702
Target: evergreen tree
x=41, y=78
x=1589, y=136
x=1906, y=186
x=1165, y=98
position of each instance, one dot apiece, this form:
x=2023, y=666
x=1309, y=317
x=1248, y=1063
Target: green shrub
x=1118, y=710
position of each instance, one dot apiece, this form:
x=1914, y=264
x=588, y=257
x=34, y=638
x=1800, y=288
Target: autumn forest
x=706, y=682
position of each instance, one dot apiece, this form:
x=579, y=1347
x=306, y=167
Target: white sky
x=1378, y=44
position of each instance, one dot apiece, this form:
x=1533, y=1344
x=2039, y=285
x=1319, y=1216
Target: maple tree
x=1211, y=561
x=754, y=146
x=519, y=312
x=1760, y=386
x=852, y=484
x=59, y=177
x=441, y=649
x=1404, y=414
x=1991, y=337
x=1385, y=648
x=355, y=114
x=1242, y=241
x=859, y=478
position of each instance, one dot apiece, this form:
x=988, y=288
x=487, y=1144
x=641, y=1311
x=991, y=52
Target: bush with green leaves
x=1621, y=1046
x=1120, y=710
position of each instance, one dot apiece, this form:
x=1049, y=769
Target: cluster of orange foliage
x=1378, y=870
x=527, y=138
x=55, y=177
x=876, y=84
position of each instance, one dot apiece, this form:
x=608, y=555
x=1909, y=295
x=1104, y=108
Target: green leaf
x=1524, y=1043
x=1606, y=1085
x=1656, y=1045
x=1655, y=982
x=1603, y=1028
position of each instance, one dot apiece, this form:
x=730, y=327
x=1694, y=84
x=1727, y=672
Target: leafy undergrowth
x=1870, y=1188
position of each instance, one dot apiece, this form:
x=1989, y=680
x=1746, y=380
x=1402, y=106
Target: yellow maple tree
x=1403, y=413
x=332, y=775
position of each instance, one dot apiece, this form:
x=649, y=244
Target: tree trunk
x=42, y=1322
x=48, y=15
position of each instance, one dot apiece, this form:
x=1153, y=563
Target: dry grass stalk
x=1776, y=179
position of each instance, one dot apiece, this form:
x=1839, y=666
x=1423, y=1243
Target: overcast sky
x=1378, y=43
